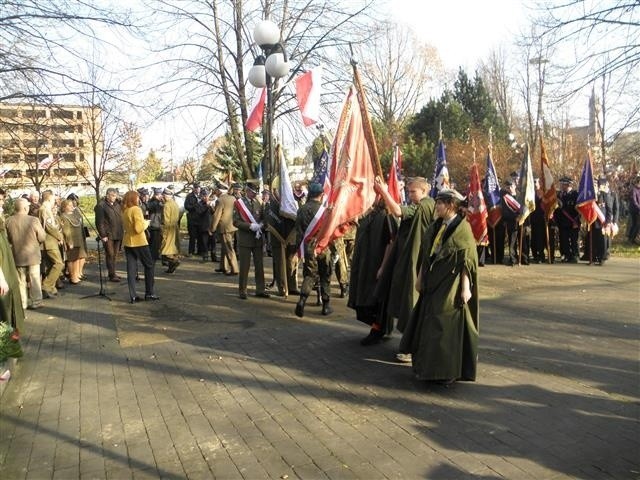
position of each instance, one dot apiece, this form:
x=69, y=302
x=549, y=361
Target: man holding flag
x=317, y=266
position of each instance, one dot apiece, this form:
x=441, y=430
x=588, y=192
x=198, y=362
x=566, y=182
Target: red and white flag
x=308, y=90
x=254, y=119
x=393, y=185
x=477, y=209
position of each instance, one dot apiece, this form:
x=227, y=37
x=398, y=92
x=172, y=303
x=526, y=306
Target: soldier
x=248, y=218
x=568, y=220
x=222, y=225
x=204, y=214
x=598, y=232
x=316, y=267
x=54, y=239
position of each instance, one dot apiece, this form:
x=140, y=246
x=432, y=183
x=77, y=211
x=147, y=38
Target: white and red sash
x=246, y=214
x=512, y=203
x=311, y=230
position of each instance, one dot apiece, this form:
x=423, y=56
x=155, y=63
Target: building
x=47, y=146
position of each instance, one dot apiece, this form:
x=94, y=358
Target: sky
x=463, y=31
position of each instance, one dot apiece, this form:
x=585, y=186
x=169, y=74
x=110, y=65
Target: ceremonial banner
x=477, y=209
x=352, y=181
x=549, y=194
x=288, y=204
x=492, y=193
x=441, y=174
x=393, y=185
x=526, y=188
x=586, y=204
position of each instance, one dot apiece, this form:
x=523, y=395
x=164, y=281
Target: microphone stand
x=102, y=293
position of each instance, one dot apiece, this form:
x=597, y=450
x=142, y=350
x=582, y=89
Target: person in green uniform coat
x=11, y=311
x=373, y=238
x=316, y=267
x=442, y=334
x=415, y=219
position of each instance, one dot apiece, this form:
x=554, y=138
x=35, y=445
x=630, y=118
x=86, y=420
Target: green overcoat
x=442, y=334
x=11, y=310
x=402, y=294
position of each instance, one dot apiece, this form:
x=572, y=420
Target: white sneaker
x=403, y=357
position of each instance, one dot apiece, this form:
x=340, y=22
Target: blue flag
x=320, y=168
x=491, y=190
x=441, y=174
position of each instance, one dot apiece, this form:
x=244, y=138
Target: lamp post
x=265, y=72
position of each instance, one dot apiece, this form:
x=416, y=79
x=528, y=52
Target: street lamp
x=265, y=72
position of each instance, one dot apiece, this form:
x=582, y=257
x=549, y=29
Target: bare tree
x=205, y=68
x=603, y=39
x=496, y=78
x=38, y=41
x=398, y=71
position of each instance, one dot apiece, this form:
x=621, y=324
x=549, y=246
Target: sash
x=311, y=230
x=246, y=214
x=512, y=203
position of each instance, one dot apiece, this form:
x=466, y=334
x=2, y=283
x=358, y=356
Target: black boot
x=300, y=305
x=344, y=290
x=326, y=309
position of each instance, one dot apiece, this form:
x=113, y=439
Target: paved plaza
x=203, y=385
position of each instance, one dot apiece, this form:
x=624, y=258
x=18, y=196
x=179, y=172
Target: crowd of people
x=411, y=267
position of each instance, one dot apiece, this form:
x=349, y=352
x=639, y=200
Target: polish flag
x=308, y=87
x=254, y=119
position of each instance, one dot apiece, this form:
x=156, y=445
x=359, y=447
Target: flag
x=441, y=174
x=586, y=203
x=352, y=191
x=549, y=194
x=308, y=90
x=526, y=188
x=492, y=193
x=393, y=185
x=48, y=162
x=477, y=209
x=320, y=172
x=254, y=119
x=288, y=204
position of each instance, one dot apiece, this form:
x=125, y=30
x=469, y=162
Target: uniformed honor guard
x=248, y=219
x=317, y=267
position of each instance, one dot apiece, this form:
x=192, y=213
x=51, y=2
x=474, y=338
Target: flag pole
x=493, y=248
x=546, y=233
x=368, y=130
x=520, y=231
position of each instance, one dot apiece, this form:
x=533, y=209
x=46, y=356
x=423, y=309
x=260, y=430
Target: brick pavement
x=203, y=385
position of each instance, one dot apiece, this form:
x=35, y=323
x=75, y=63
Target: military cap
x=157, y=190
x=204, y=192
x=509, y=183
x=73, y=197
x=196, y=184
x=315, y=189
x=167, y=191
x=449, y=194
x=222, y=186
x=236, y=186
x=143, y=191
x=514, y=174
x=602, y=180
x=253, y=185
x=566, y=180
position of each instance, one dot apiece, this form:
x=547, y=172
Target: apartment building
x=46, y=145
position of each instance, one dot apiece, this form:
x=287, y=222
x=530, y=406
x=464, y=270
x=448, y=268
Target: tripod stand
x=102, y=293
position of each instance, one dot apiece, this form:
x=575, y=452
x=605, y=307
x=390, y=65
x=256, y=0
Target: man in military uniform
x=568, y=220
x=282, y=230
x=510, y=212
x=222, y=225
x=316, y=267
x=53, y=240
x=248, y=216
x=109, y=225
